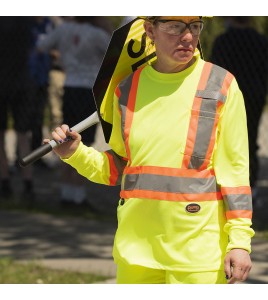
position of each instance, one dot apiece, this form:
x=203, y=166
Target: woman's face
x=174, y=50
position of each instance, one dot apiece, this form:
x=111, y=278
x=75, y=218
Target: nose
x=187, y=35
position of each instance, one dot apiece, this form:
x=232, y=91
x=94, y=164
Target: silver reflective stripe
x=123, y=120
x=216, y=78
x=119, y=164
x=211, y=95
x=237, y=202
x=169, y=184
x=207, y=114
x=203, y=136
x=124, y=87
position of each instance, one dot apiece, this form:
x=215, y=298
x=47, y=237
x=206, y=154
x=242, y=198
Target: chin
x=184, y=57
x=184, y=61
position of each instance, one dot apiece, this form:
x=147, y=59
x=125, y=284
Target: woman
x=179, y=150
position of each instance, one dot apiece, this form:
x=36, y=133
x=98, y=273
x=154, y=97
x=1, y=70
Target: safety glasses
x=178, y=27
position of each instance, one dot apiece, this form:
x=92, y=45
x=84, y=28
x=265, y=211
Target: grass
x=13, y=272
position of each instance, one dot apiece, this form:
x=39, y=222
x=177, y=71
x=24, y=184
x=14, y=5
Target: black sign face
x=127, y=51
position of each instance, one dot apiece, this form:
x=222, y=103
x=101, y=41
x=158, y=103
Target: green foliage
x=212, y=28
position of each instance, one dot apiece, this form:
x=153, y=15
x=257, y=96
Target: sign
x=128, y=50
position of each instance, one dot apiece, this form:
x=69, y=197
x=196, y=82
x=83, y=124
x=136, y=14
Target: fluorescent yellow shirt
x=158, y=233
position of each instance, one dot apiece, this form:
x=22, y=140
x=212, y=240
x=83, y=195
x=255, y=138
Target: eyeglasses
x=178, y=27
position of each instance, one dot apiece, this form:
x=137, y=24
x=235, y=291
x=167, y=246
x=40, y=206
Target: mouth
x=185, y=50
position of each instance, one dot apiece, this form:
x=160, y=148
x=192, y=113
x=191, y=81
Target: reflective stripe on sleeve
x=235, y=214
x=117, y=165
x=238, y=202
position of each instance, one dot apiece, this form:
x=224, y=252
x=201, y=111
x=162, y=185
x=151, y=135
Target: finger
x=46, y=141
x=74, y=135
x=58, y=135
x=65, y=128
x=238, y=273
x=232, y=280
x=246, y=273
x=60, y=132
x=227, y=268
x=244, y=276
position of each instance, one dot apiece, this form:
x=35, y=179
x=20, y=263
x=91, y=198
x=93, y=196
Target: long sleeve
x=102, y=167
x=231, y=163
x=49, y=41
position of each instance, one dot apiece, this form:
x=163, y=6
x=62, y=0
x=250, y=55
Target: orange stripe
x=226, y=84
x=170, y=171
x=130, y=109
x=205, y=75
x=113, y=170
x=120, y=111
x=236, y=190
x=155, y=195
x=191, y=134
x=117, y=92
x=192, y=131
x=234, y=214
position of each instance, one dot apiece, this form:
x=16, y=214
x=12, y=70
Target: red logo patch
x=193, y=208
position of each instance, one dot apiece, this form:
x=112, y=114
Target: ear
x=149, y=29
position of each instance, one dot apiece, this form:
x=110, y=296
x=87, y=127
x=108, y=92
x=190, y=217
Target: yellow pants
x=127, y=274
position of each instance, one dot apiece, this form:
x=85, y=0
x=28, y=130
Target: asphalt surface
x=85, y=245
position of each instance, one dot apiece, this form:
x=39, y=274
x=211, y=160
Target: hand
x=237, y=265
x=68, y=141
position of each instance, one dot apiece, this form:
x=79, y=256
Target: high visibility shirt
x=180, y=151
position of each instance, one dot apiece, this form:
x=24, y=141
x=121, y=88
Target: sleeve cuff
x=240, y=238
x=75, y=155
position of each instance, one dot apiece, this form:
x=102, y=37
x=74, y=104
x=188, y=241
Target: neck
x=162, y=68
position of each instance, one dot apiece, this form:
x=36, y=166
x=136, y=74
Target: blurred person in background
x=55, y=89
x=16, y=94
x=56, y=81
x=244, y=52
x=81, y=46
x=39, y=64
